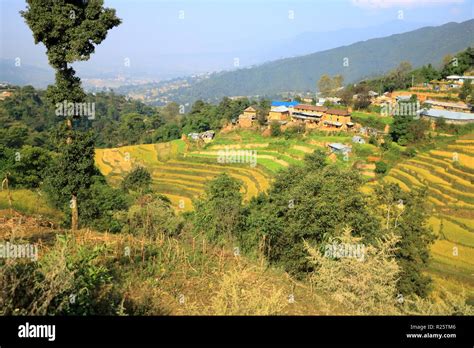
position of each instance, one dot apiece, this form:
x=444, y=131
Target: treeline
x=28, y=119
x=36, y=151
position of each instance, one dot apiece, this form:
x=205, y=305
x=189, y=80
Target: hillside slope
x=367, y=58
x=448, y=173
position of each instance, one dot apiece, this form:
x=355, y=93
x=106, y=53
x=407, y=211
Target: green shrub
x=139, y=179
x=381, y=167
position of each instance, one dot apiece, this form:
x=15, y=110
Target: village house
x=248, y=118
x=459, y=79
x=5, y=94
x=310, y=115
x=289, y=104
x=206, y=136
x=337, y=119
x=314, y=116
x=279, y=114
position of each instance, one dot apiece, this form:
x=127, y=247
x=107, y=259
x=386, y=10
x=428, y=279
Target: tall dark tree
x=70, y=30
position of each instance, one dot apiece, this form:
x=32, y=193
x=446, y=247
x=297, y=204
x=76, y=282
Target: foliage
x=217, y=216
x=381, y=167
x=301, y=206
x=362, y=286
x=99, y=206
x=29, y=167
x=72, y=169
x=138, y=179
x=275, y=129
x=406, y=215
x=67, y=280
x=150, y=216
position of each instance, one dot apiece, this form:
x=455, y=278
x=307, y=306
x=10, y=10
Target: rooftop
x=288, y=104
x=339, y=146
x=339, y=112
x=448, y=105
x=311, y=107
x=449, y=115
x=280, y=109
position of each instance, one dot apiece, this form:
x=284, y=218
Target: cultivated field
x=180, y=169
x=448, y=175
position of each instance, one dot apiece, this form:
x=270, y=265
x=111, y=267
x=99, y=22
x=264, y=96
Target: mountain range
x=354, y=62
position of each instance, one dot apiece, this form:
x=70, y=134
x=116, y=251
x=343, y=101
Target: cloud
x=373, y=4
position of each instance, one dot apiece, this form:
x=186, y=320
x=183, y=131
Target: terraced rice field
x=178, y=175
x=448, y=175
x=180, y=170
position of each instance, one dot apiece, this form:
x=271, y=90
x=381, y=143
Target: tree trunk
x=75, y=214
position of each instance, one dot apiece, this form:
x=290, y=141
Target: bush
x=381, y=167
x=409, y=152
x=218, y=214
x=366, y=285
x=99, y=206
x=67, y=280
x=275, y=129
x=152, y=215
x=138, y=179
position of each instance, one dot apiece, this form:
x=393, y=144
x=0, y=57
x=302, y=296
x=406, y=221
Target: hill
x=365, y=59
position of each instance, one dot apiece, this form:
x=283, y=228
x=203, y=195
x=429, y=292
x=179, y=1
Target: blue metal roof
x=449, y=115
x=284, y=103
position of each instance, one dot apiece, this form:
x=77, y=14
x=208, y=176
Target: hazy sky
x=170, y=35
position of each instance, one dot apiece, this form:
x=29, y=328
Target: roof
x=448, y=105
x=284, y=103
x=403, y=97
x=280, y=109
x=338, y=146
x=449, y=115
x=338, y=112
x=251, y=108
x=311, y=107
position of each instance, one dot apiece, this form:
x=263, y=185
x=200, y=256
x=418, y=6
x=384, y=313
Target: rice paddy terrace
x=177, y=174
x=448, y=173
x=180, y=169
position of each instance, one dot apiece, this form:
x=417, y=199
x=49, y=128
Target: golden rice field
x=448, y=175
x=177, y=174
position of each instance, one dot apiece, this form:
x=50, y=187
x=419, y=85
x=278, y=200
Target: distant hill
x=25, y=74
x=366, y=59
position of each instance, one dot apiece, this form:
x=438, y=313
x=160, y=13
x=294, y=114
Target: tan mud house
x=314, y=116
x=279, y=114
x=248, y=118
